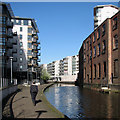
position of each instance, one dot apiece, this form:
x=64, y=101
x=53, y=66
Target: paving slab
x=21, y=106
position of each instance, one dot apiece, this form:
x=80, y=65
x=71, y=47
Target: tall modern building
x=102, y=12
x=28, y=45
x=119, y=5
x=6, y=42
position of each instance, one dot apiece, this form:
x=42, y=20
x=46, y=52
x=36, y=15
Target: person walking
x=33, y=92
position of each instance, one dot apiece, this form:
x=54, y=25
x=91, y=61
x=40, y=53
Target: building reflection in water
x=83, y=103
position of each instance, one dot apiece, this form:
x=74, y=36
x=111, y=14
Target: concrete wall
x=4, y=93
x=68, y=78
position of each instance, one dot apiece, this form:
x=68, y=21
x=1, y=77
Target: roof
x=101, y=6
x=25, y=18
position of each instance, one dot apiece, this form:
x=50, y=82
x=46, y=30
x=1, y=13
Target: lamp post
x=27, y=76
x=11, y=58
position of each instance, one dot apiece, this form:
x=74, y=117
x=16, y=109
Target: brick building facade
x=99, y=58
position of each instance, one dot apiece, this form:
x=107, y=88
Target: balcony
x=96, y=19
x=35, y=44
x=9, y=24
x=34, y=34
x=29, y=63
x=35, y=58
x=34, y=41
x=14, y=41
x=39, y=48
x=38, y=60
x=9, y=44
x=14, y=33
x=39, y=54
x=14, y=50
x=9, y=34
x=9, y=53
x=36, y=37
x=14, y=59
x=34, y=55
x=35, y=50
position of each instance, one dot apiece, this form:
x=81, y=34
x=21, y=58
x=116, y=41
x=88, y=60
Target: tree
x=45, y=75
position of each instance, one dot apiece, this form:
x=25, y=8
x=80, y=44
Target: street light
x=11, y=58
x=27, y=76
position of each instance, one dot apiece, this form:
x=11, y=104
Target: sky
x=63, y=26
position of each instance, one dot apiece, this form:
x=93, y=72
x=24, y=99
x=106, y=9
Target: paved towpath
x=20, y=105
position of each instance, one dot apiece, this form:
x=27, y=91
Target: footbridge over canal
x=64, y=78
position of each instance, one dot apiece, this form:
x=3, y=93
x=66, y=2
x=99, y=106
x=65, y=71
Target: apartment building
x=99, y=58
x=53, y=68
x=6, y=43
x=28, y=45
x=65, y=67
x=102, y=12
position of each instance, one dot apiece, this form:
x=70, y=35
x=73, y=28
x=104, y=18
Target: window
x=90, y=43
x=94, y=71
x=85, y=73
x=115, y=23
x=103, y=47
x=21, y=67
x=98, y=49
x=103, y=30
x=2, y=30
x=21, y=51
x=98, y=33
x=104, y=66
x=20, y=36
x=4, y=20
x=88, y=58
x=29, y=30
x=115, y=42
x=84, y=46
x=84, y=57
x=99, y=70
x=21, y=29
x=21, y=44
x=25, y=22
x=29, y=38
x=29, y=52
x=94, y=37
x=21, y=59
x=91, y=54
x=17, y=22
x=116, y=68
x=29, y=45
x=94, y=51
x=87, y=45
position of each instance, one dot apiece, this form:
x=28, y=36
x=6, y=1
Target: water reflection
x=83, y=103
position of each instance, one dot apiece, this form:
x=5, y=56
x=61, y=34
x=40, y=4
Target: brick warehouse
x=99, y=55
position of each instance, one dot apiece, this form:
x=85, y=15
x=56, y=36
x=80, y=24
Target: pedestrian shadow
x=40, y=112
x=37, y=101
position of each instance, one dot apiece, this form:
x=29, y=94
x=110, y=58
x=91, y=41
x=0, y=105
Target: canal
x=83, y=103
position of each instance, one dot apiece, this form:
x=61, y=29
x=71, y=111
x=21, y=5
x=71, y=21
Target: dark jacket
x=33, y=88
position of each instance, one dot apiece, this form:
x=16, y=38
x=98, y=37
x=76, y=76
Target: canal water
x=83, y=103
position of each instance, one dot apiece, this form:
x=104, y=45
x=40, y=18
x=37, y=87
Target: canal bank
x=103, y=89
x=20, y=105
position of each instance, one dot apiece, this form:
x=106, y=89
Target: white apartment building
x=102, y=12
x=75, y=64
x=27, y=55
x=65, y=67
x=53, y=68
